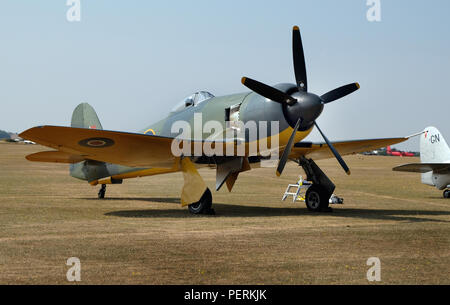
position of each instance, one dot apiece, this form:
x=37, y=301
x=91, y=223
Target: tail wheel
x=317, y=199
x=102, y=192
x=203, y=206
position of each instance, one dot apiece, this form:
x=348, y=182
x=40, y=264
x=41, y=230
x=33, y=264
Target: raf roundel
x=96, y=142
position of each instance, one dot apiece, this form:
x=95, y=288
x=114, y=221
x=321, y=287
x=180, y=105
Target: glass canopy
x=193, y=100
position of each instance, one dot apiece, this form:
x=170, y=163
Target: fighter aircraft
x=435, y=161
x=108, y=157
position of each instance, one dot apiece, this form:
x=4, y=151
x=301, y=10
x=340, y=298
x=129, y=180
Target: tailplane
x=84, y=116
x=433, y=147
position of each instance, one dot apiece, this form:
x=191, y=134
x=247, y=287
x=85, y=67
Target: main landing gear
x=203, y=206
x=102, y=192
x=318, y=195
x=446, y=194
x=317, y=199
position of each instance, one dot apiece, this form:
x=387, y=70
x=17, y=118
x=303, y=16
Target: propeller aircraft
x=104, y=157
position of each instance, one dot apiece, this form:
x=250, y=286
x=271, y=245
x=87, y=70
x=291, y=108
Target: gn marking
x=435, y=139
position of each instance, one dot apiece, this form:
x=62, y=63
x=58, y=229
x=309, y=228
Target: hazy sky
x=133, y=60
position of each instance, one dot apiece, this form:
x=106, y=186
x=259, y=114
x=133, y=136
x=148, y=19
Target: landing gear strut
x=102, y=192
x=318, y=195
x=203, y=206
x=447, y=194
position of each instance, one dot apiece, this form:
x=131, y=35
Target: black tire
x=446, y=194
x=317, y=199
x=203, y=206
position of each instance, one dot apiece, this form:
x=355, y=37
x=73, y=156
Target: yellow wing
x=129, y=149
x=55, y=156
x=322, y=151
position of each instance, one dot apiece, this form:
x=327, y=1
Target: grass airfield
x=139, y=234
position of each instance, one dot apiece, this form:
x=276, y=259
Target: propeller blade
x=268, y=91
x=299, y=60
x=334, y=151
x=339, y=93
x=287, y=149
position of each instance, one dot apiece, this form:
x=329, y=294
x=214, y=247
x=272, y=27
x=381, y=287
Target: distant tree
x=4, y=135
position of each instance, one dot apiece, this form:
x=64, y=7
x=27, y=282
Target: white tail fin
x=433, y=147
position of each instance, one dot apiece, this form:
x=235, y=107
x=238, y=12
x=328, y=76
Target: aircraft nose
x=308, y=108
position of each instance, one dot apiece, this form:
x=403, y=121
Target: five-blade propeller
x=303, y=106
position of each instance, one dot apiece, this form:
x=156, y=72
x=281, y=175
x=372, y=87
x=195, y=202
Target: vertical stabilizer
x=433, y=147
x=84, y=116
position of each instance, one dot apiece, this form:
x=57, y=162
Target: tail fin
x=84, y=116
x=433, y=147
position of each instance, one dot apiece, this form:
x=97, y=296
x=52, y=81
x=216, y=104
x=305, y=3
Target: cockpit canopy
x=193, y=100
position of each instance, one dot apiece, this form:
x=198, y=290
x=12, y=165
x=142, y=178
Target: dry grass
x=140, y=234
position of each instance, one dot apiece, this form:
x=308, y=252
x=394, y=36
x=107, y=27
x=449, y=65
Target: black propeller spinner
x=302, y=107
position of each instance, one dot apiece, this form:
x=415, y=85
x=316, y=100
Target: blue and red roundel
x=96, y=142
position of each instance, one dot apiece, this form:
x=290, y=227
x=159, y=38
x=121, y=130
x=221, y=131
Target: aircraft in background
x=398, y=153
x=108, y=157
x=435, y=161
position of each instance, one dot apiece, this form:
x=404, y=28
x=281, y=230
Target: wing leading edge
x=318, y=151
x=142, y=150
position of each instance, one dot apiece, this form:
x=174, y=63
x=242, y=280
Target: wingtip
x=243, y=80
x=296, y=28
x=26, y=133
x=357, y=85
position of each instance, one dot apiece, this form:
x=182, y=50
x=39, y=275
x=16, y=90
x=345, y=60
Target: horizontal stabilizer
x=54, y=156
x=423, y=167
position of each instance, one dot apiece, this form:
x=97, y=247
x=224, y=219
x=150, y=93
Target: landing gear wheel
x=447, y=194
x=102, y=192
x=317, y=199
x=203, y=206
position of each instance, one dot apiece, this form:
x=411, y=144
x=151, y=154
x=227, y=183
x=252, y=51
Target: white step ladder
x=300, y=191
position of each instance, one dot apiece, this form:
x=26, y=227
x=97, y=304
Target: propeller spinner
x=302, y=107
